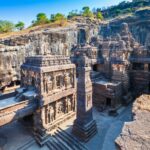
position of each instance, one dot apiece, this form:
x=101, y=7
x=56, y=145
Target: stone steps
x=61, y=140
x=65, y=140
x=27, y=145
x=73, y=139
x=86, y=133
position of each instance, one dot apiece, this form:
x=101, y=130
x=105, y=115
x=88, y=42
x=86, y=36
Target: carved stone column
x=84, y=126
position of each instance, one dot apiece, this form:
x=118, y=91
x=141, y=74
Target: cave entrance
x=17, y=82
x=95, y=67
x=81, y=36
x=108, y=102
x=28, y=121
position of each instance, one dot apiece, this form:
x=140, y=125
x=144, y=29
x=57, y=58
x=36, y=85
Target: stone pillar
x=84, y=126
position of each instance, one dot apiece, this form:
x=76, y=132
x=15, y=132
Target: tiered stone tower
x=54, y=80
x=84, y=126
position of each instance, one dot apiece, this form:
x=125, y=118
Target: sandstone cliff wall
x=59, y=41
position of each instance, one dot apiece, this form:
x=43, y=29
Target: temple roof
x=47, y=60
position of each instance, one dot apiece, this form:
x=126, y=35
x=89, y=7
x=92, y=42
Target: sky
x=26, y=10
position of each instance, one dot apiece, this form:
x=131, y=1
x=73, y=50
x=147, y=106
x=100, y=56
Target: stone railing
x=50, y=60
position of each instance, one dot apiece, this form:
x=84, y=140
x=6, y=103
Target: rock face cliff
x=136, y=134
x=139, y=25
x=13, y=50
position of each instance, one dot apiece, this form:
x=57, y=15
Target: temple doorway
x=108, y=102
x=81, y=36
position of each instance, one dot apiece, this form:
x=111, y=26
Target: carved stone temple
x=53, y=78
x=47, y=93
x=72, y=87
x=84, y=126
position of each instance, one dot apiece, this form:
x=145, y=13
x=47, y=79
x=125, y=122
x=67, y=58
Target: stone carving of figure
x=66, y=105
x=45, y=83
x=50, y=84
x=60, y=107
x=67, y=80
x=61, y=81
x=69, y=105
x=72, y=78
x=51, y=114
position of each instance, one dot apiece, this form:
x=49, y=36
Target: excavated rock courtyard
x=108, y=129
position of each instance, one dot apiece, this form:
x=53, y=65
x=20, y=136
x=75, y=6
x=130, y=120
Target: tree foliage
x=125, y=7
x=41, y=18
x=59, y=17
x=73, y=13
x=99, y=15
x=20, y=25
x=6, y=26
x=87, y=12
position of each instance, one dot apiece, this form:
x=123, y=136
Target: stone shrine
x=53, y=78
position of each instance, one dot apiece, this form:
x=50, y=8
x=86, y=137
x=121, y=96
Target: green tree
x=20, y=25
x=87, y=12
x=59, y=17
x=118, y=12
x=41, y=18
x=99, y=15
x=6, y=26
x=73, y=13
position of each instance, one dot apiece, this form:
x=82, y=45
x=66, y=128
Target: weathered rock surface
x=14, y=49
x=138, y=24
x=136, y=135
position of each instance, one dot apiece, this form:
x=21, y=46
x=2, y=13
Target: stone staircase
x=62, y=140
x=28, y=144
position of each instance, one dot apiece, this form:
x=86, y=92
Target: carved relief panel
x=59, y=80
x=50, y=113
x=48, y=82
x=58, y=109
x=30, y=79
